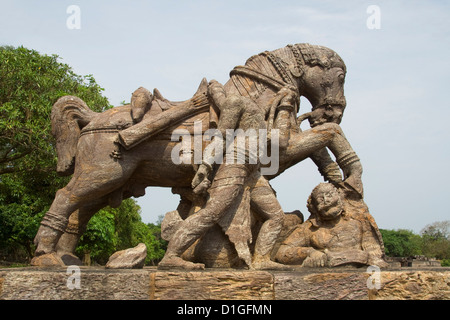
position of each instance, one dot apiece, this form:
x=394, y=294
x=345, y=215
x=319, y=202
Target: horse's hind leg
x=53, y=225
x=78, y=220
x=84, y=189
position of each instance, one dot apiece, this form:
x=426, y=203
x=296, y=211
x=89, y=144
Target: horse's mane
x=285, y=65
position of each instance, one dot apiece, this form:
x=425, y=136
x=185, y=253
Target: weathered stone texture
x=151, y=284
x=116, y=154
x=1, y=283
x=94, y=285
x=418, y=285
x=133, y=258
x=321, y=286
x=221, y=285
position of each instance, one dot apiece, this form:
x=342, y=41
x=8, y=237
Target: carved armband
x=347, y=159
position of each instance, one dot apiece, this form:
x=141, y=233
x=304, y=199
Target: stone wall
x=152, y=284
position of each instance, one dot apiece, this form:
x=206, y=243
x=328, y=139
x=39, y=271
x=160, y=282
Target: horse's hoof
x=70, y=259
x=47, y=260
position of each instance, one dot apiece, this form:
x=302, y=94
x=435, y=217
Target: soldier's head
x=325, y=202
x=141, y=101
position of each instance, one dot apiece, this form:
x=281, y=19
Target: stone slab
x=60, y=284
x=98, y=283
x=211, y=285
x=321, y=286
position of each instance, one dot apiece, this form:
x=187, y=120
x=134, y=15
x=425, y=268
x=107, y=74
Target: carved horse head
x=313, y=71
x=322, y=83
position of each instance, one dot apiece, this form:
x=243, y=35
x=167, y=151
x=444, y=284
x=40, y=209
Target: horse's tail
x=69, y=115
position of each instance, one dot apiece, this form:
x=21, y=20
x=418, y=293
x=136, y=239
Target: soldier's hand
x=202, y=187
x=315, y=259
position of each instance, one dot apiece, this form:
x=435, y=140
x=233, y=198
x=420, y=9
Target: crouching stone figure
x=340, y=231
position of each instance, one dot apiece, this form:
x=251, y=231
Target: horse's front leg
x=329, y=135
x=327, y=167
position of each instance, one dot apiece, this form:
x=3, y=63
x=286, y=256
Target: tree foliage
x=29, y=85
x=436, y=240
x=432, y=242
x=400, y=243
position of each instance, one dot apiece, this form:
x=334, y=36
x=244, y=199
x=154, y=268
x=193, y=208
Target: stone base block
x=96, y=283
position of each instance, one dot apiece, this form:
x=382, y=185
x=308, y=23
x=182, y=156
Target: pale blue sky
x=398, y=76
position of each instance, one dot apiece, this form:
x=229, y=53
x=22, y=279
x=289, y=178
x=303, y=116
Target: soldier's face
x=328, y=203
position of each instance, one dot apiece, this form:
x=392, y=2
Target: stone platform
x=98, y=283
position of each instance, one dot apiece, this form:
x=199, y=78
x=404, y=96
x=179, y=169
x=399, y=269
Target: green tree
x=436, y=240
x=29, y=85
x=433, y=242
x=131, y=231
x=99, y=240
x=401, y=243
x=159, y=245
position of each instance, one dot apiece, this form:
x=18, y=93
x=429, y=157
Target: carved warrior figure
x=340, y=231
x=227, y=190
x=116, y=154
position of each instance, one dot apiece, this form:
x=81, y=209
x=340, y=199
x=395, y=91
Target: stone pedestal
x=88, y=283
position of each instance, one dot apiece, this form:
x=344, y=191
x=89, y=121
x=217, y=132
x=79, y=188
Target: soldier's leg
x=266, y=205
x=225, y=194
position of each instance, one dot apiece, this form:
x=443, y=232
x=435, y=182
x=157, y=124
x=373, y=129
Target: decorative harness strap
x=286, y=87
x=279, y=66
x=254, y=74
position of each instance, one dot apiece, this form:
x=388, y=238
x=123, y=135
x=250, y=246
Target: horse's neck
x=276, y=69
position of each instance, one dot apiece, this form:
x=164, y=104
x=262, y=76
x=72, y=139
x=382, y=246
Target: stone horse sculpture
x=116, y=154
